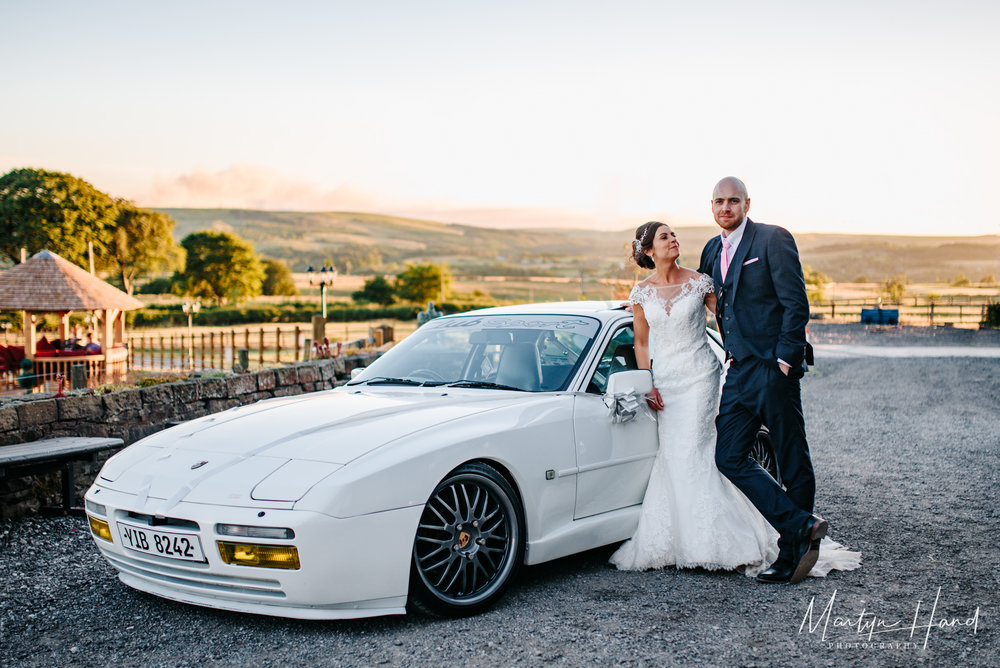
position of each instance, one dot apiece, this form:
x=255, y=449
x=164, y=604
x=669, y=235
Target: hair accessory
x=641, y=241
x=636, y=246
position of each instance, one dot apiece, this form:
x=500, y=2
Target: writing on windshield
x=583, y=326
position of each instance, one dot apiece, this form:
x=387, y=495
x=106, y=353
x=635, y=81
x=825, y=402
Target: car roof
x=604, y=310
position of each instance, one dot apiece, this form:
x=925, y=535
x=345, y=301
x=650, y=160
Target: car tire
x=762, y=452
x=469, y=543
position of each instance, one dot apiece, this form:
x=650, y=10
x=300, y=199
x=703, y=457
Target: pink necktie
x=724, y=260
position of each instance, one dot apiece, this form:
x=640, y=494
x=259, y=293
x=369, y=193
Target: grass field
x=533, y=289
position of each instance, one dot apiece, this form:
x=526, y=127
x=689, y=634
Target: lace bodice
x=678, y=343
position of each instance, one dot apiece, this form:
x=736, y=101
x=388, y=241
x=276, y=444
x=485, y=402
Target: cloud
x=500, y=217
x=264, y=188
x=253, y=187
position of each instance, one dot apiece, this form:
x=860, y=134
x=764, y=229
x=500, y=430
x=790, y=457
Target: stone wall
x=132, y=414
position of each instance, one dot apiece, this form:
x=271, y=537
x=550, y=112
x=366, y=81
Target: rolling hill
x=365, y=243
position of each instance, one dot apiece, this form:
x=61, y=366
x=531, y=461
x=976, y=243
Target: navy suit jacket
x=762, y=306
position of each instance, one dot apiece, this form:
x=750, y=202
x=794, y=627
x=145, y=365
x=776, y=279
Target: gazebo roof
x=47, y=283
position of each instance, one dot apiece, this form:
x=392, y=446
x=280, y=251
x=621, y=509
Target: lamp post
x=190, y=308
x=324, y=277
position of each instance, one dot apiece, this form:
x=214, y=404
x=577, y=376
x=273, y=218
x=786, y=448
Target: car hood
x=274, y=451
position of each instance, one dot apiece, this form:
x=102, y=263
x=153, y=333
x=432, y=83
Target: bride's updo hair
x=644, y=236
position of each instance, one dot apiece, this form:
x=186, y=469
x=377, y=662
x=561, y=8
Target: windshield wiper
x=386, y=380
x=484, y=383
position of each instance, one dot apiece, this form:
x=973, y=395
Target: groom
x=762, y=312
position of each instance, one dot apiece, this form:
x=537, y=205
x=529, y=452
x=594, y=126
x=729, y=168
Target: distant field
x=363, y=243
x=548, y=288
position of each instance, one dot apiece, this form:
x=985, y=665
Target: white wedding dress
x=693, y=516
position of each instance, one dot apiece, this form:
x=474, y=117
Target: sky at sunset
x=859, y=117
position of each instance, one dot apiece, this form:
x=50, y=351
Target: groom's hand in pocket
x=654, y=400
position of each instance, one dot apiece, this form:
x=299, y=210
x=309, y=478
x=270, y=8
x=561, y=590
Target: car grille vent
x=191, y=579
x=154, y=521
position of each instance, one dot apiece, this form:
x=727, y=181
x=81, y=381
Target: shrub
x=894, y=288
x=156, y=286
x=992, y=316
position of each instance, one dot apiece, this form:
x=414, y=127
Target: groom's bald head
x=734, y=183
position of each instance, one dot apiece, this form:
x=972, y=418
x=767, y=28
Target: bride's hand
x=654, y=400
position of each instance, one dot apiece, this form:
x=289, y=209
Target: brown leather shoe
x=806, y=549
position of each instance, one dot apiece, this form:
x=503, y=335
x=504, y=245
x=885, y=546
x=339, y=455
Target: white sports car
x=482, y=441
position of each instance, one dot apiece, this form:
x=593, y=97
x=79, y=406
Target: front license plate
x=168, y=544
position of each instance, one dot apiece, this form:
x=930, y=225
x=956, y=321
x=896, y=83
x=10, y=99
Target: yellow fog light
x=100, y=528
x=262, y=556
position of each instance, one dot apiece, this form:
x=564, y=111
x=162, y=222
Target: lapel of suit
x=717, y=263
x=736, y=266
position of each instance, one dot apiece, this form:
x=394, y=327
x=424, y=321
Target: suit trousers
x=756, y=391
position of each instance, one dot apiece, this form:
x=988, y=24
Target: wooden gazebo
x=47, y=283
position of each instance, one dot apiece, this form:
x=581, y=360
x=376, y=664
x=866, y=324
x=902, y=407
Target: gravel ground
x=906, y=457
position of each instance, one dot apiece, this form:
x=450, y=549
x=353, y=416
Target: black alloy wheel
x=469, y=543
x=762, y=452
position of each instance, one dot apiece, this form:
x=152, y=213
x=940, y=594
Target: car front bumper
x=353, y=567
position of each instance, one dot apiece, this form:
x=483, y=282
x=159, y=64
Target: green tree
x=55, y=211
x=423, y=282
x=278, y=279
x=220, y=266
x=961, y=281
x=141, y=244
x=376, y=290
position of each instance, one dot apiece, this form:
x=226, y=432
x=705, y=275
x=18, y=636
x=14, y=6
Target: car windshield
x=532, y=353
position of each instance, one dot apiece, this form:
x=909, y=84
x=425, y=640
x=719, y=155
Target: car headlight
x=96, y=508
x=253, y=532
x=262, y=556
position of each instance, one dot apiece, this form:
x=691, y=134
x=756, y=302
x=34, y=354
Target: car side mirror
x=626, y=393
x=356, y=371
x=640, y=382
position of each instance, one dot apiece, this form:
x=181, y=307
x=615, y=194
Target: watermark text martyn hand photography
x=867, y=625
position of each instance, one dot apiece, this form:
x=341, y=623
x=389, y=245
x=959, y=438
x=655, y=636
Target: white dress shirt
x=734, y=239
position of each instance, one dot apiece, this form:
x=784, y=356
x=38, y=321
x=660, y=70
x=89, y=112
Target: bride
x=692, y=516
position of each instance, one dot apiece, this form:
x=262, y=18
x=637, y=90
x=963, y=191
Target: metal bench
x=61, y=453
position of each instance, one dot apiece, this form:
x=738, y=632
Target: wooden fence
x=959, y=310
x=217, y=349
